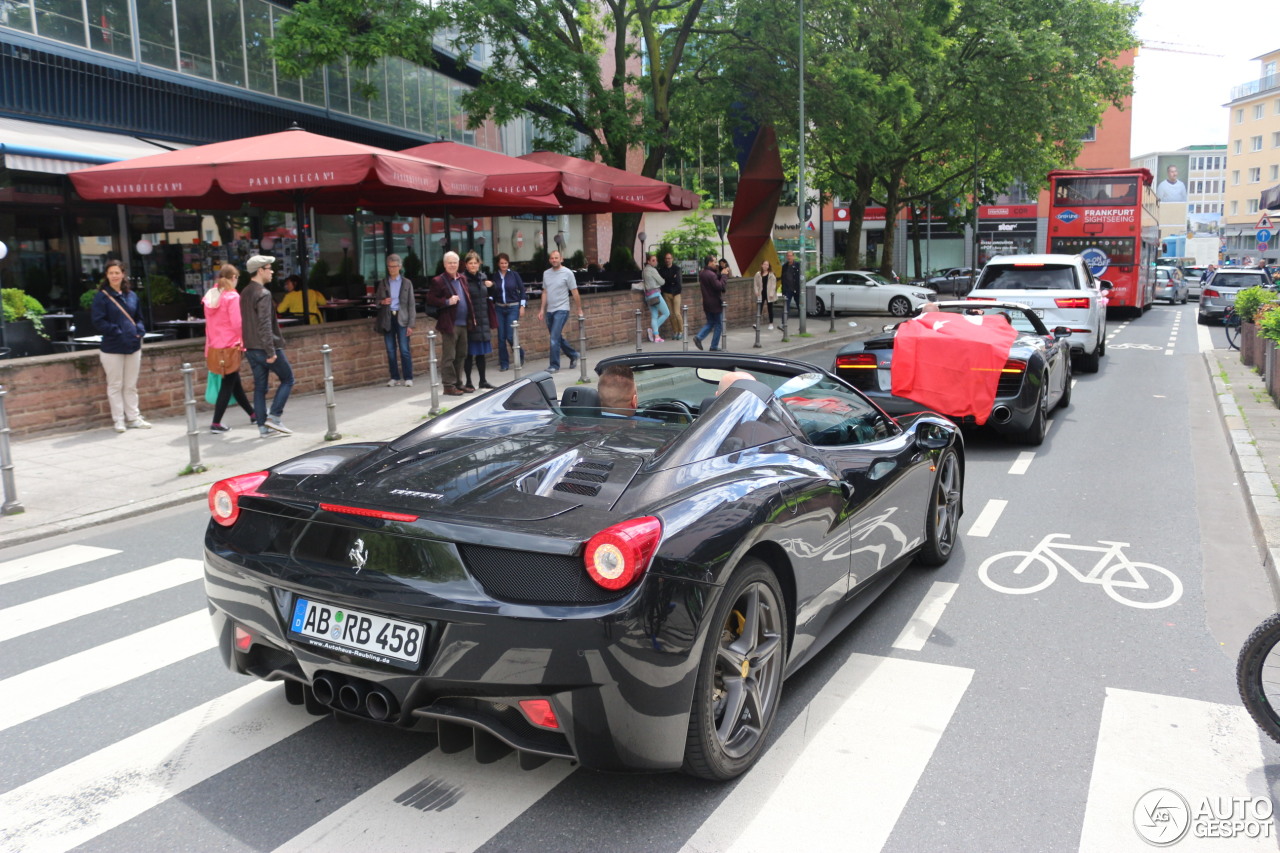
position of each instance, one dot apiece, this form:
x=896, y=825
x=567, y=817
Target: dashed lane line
x=1023, y=462
x=987, y=519
x=921, y=624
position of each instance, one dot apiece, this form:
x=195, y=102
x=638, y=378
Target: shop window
x=338, y=97
x=257, y=39
x=286, y=87
x=16, y=14
x=228, y=50
x=109, y=29
x=61, y=20
x=195, y=55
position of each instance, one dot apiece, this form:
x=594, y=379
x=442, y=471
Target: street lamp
x=144, y=248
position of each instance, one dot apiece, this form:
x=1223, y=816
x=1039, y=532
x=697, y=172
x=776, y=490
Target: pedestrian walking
x=712, y=282
x=264, y=347
x=791, y=280
x=658, y=310
x=480, y=321
x=671, y=287
x=223, y=339
x=117, y=318
x=396, y=316
x=509, y=300
x=559, y=290
x=448, y=294
x=766, y=287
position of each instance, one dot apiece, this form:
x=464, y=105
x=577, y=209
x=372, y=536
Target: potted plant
x=166, y=299
x=1268, y=327
x=1248, y=302
x=24, y=332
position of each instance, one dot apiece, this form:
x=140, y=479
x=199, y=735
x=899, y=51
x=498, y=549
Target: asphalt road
x=954, y=715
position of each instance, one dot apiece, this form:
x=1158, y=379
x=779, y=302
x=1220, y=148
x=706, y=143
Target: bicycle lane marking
x=921, y=624
x=1122, y=579
x=986, y=520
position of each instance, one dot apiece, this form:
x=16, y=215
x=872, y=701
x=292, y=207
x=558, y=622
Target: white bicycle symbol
x=1135, y=346
x=1114, y=571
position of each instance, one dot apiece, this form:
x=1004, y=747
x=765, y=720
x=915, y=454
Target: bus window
x=1099, y=191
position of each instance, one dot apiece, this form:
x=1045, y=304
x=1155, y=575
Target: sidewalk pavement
x=1252, y=421
x=69, y=481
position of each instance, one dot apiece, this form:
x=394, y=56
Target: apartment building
x=1253, y=157
x=1191, y=185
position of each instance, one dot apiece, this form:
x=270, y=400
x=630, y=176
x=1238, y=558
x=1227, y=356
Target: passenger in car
x=617, y=389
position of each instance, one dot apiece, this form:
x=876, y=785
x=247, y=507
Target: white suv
x=1061, y=290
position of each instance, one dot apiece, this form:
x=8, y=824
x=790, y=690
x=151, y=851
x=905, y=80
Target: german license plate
x=364, y=635
x=1039, y=312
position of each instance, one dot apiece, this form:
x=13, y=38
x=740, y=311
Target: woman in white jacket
x=766, y=287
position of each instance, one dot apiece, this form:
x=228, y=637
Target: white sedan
x=865, y=293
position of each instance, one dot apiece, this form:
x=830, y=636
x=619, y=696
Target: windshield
x=1097, y=191
x=1028, y=277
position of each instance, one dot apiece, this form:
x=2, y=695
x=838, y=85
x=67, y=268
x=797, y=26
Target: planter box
x=1272, y=352
x=1248, y=340
x=21, y=338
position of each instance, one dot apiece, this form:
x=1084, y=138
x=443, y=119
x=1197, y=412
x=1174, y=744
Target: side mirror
x=1060, y=332
x=932, y=436
x=1105, y=286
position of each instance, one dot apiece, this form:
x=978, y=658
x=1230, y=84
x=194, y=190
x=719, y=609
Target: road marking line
x=852, y=758
x=1145, y=741
x=1022, y=463
x=459, y=805
x=987, y=518
x=925, y=619
x=81, y=800
x=46, y=688
x=1204, y=338
x=91, y=598
x=51, y=561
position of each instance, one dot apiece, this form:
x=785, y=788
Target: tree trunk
x=892, y=204
x=857, y=215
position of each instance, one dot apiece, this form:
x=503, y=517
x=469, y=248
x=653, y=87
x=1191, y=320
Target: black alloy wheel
x=943, y=522
x=900, y=306
x=740, y=679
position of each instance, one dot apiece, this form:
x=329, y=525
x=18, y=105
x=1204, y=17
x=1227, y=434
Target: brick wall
x=66, y=391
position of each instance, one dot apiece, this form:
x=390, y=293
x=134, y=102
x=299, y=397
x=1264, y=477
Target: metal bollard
x=833, y=316
x=639, y=332
x=330, y=405
x=193, y=431
x=785, y=306
x=435, y=373
x=582, y=348
x=759, y=309
x=684, y=324
x=11, y=505
x=517, y=355
x=724, y=326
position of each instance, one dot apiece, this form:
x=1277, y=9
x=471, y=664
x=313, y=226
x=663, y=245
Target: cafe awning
x=1270, y=199
x=511, y=181
x=630, y=193
x=56, y=150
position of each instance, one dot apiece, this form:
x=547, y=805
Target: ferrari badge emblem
x=358, y=555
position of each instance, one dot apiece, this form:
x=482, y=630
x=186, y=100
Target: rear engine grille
x=1010, y=384
x=586, y=489
x=864, y=380
x=527, y=577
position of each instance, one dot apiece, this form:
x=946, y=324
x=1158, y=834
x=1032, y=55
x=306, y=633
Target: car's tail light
x=243, y=639
x=1072, y=302
x=386, y=515
x=1029, y=266
x=1080, y=331
x=618, y=555
x=1211, y=293
x=540, y=713
x=1013, y=366
x=224, y=496
x=857, y=361
x=981, y=298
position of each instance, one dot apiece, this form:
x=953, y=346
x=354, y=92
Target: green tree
x=694, y=238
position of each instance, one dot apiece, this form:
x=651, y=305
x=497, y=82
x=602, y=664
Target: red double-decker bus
x=1109, y=217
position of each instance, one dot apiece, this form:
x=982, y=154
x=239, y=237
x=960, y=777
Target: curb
x=1253, y=476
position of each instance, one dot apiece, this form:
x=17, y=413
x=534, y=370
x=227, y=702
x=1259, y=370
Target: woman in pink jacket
x=222, y=329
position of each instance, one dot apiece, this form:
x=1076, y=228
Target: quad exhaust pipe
x=354, y=697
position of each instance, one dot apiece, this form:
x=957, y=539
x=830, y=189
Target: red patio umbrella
x=631, y=193
x=510, y=181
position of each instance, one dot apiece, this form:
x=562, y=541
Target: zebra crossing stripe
x=452, y=800
x=46, y=688
x=921, y=624
x=846, y=767
x=51, y=561
x=91, y=598
x=81, y=800
x=1197, y=749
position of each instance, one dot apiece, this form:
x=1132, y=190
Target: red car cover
x=951, y=363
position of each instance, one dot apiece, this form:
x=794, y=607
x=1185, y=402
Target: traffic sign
x=1264, y=236
x=1262, y=247
x=1264, y=223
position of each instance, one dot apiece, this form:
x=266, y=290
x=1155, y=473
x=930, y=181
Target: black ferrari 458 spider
x=626, y=591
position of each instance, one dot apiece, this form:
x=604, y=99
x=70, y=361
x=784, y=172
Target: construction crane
x=1175, y=47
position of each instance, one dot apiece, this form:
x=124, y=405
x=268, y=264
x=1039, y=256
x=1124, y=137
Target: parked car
x=1061, y=290
x=865, y=293
x=1192, y=276
x=956, y=281
x=536, y=574
x=1221, y=289
x=1170, y=285
x=1035, y=378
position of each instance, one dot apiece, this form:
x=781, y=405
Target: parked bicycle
x=1231, y=325
x=1258, y=676
x=1121, y=578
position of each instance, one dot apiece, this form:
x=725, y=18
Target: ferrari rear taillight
x=860, y=360
x=385, y=515
x=1012, y=366
x=1072, y=302
x=243, y=639
x=540, y=713
x=617, y=556
x=224, y=497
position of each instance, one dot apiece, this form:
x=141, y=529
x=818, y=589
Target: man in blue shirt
x=509, y=300
x=396, y=317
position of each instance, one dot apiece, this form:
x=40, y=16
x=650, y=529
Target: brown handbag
x=223, y=360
